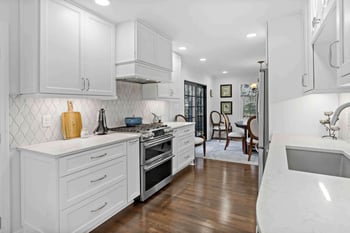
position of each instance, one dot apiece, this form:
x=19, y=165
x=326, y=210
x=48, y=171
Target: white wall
x=236, y=82
x=301, y=115
x=196, y=76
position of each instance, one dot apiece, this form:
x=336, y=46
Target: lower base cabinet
x=183, y=147
x=80, y=191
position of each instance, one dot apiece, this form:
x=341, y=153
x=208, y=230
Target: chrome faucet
x=337, y=112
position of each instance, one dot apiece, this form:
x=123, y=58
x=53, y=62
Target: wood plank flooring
x=212, y=196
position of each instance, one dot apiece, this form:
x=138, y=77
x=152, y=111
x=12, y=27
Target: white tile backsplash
x=26, y=113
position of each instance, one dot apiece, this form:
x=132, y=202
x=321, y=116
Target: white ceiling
x=214, y=29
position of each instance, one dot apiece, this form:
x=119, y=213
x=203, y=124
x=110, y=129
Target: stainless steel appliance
x=156, y=155
x=263, y=117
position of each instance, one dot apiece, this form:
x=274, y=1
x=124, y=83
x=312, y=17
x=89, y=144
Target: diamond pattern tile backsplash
x=26, y=113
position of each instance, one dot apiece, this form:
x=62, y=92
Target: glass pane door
x=196, y=106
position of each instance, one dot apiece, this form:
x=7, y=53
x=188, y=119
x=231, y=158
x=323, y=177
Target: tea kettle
x=102, y=123
x=156, y=118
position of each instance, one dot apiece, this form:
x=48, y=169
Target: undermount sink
x=316, y=161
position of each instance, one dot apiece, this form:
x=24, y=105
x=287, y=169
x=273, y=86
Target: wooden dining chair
x=233, y=135
x=198, y=141
x=253, y=132
x=217, y=123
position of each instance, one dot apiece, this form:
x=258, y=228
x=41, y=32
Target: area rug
x=233, y=153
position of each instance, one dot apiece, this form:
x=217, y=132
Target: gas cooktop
x=147, y=131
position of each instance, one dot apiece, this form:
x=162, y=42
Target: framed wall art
x=226, y=107
x=225, y=90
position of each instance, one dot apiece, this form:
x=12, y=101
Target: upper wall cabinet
x=318, y=11
x=344, y=39
x=142, y=53
x=65, y=50
x=165, y=91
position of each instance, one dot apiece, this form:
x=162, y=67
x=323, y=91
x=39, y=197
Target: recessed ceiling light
x=203, y=59
x=224, y=72
x=251, y=35
x=183, y=48
x=102, y=2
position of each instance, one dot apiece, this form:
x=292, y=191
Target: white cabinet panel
x=183, y=147
x=344, y=77
x=145, y=49
x=60, y=69
x=163, y=52
x=99, y=47
x=133, y=161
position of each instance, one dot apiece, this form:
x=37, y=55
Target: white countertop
x=293, y=202
x=65, y=147
x=176, y=124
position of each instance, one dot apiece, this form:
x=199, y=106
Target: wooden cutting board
x=71, y=123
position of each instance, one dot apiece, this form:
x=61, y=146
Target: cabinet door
x=345, y=39
x=98, y=56
x=145, y=44
x=133, y=169
x=163, y=52
x=60, y=49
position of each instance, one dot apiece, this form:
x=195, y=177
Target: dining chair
x=237, y=135
x=253, y=132
x=198, y=141
x=217, y=123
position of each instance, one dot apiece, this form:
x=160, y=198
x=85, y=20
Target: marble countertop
x=293, y=202
x=61, y=148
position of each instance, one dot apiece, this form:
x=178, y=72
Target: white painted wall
x=236, y=82
x=196, y=76
x=301, y=115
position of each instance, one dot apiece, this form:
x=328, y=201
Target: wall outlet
x=46, y=121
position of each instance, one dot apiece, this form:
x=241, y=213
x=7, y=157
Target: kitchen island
x=291, y=201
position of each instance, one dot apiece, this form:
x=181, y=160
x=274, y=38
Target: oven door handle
x=150, y=167
x=148, y=145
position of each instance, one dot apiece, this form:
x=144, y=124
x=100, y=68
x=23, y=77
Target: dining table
x=243, y=125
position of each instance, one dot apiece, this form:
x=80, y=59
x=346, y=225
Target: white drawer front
x=77, y=162
x=81, y=185
x=185, y=141
x=90, y=213
x=189, y=129
x=185, y=157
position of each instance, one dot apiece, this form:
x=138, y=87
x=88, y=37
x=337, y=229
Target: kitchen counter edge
x=292, y=201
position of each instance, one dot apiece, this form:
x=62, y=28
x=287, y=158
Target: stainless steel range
x=156, y=155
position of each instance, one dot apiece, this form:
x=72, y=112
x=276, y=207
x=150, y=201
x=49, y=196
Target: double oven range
x=156, y=144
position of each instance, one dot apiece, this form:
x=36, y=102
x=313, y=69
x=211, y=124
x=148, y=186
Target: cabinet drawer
x=184, y=141
x=77, y=162
x=79, y=186
x=189, y=129
x=88, y=214
x=185, y=157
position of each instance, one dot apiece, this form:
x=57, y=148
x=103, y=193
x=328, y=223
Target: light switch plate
x=46, y=121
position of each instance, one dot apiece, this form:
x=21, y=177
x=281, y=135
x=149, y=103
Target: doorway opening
x=195, y=97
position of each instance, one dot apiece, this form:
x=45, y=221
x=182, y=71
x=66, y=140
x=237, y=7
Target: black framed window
x=195, y=97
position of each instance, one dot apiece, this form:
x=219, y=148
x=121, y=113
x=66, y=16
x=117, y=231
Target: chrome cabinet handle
x=98, y=179
x=99, y=156
x=303, y=80
x=83, y=88
x=331, y=55
x=315, y=21
x=187, y=130
x=99, y=208
x=88, y=81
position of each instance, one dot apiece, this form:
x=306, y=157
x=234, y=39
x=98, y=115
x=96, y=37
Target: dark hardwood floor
x=212, y=196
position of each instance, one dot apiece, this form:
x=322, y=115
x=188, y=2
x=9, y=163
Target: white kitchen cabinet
x=286, y=57
x=318, y=11
x=183, y=147
x=344, y=39
x=142, y=53
x=133, y=153
x=76, y=192
x=165, y=91
x=65, y=50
